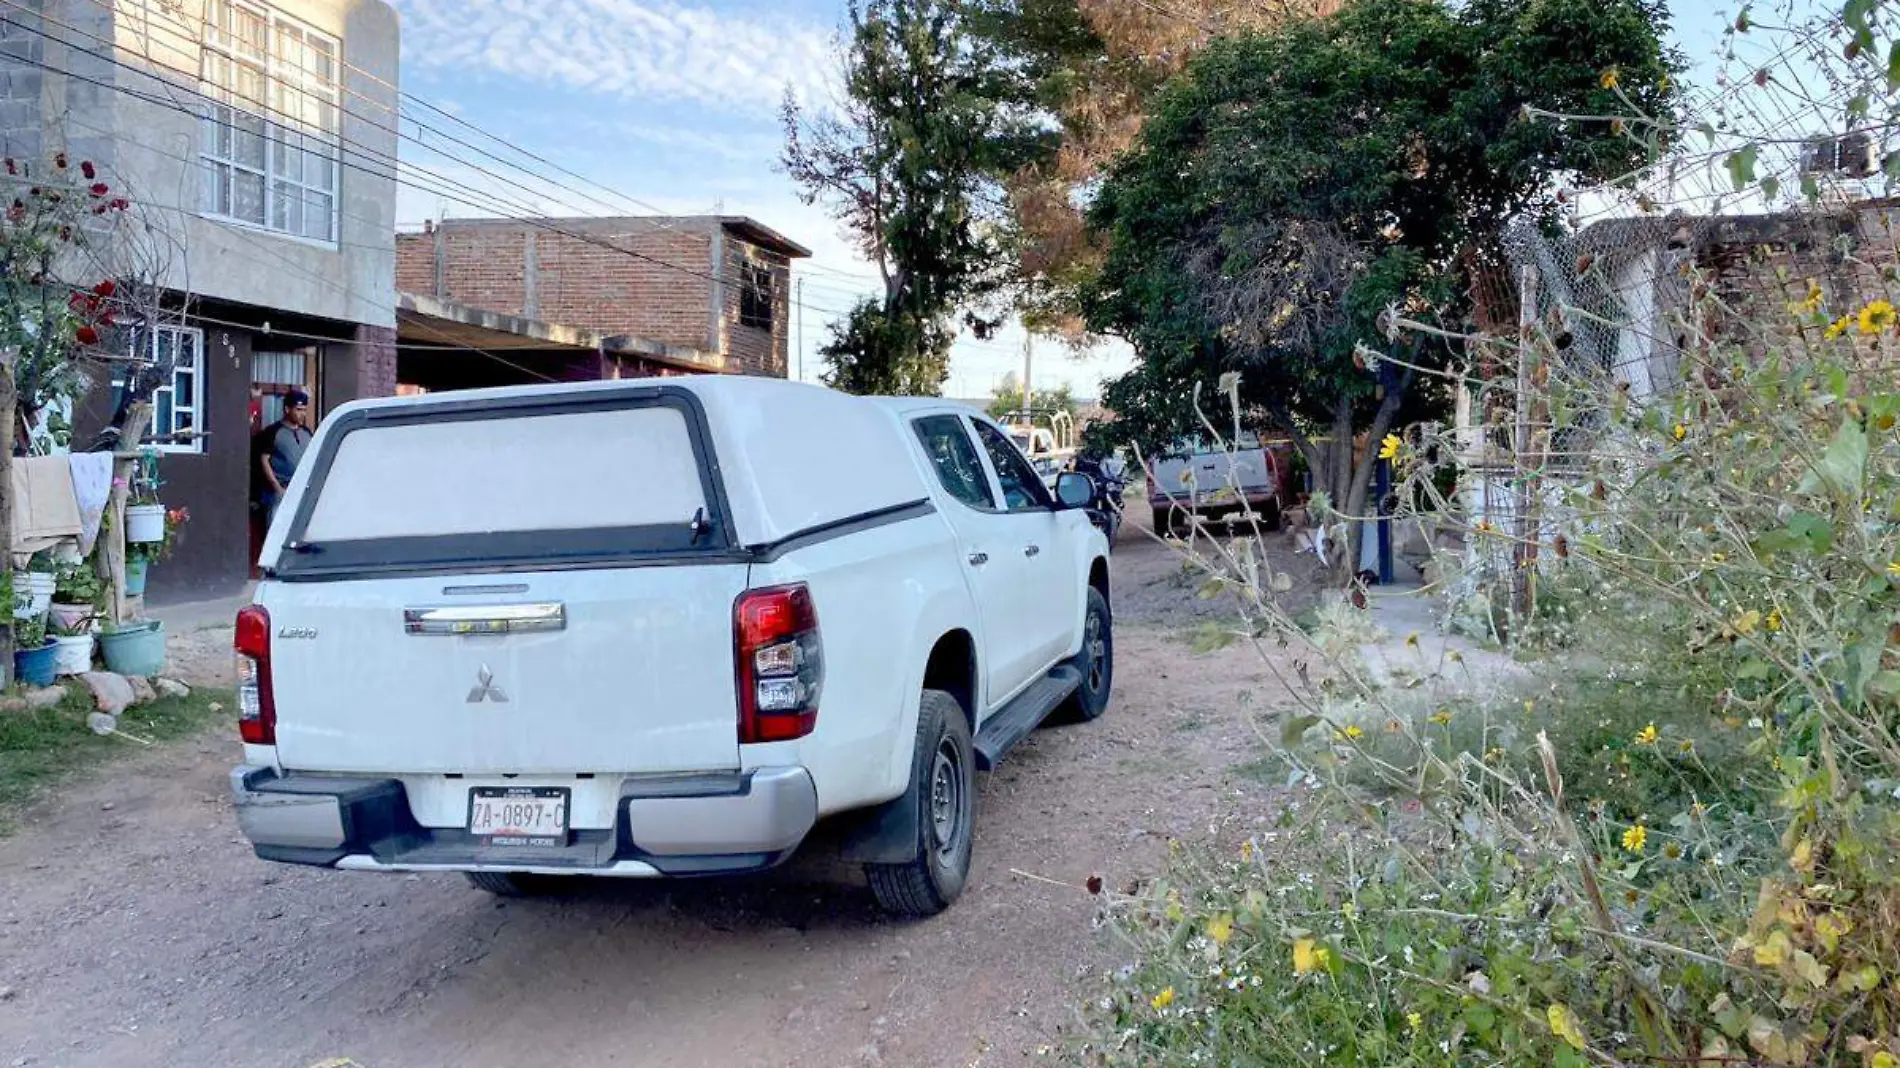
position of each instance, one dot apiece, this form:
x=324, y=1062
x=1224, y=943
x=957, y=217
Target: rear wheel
x=943, y=790
x=1095, y=662
x=1164, y=521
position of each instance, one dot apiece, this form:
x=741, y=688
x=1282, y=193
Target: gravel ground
x=137, y=929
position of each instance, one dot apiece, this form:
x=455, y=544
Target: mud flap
x=889, y=833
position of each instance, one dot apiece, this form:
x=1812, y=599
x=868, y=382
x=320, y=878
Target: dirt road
x=137, y=929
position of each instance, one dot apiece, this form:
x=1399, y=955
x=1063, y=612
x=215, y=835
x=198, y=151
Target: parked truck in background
x=1197, y=477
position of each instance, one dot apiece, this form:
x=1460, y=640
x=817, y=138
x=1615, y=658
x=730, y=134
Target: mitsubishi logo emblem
x=485, y=689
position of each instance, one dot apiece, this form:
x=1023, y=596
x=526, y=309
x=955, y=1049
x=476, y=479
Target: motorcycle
x=1110, y=479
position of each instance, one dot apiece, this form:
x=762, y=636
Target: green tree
x=1291, y=187
x=1007, y=401
x=904, y=167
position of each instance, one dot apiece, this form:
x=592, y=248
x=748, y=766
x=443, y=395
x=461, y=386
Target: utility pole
x=800, y=299
x=1028, y=391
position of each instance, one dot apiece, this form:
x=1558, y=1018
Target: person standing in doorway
x=284, y=443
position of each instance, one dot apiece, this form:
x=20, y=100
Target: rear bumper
x=685, y=825
x=1228, y=501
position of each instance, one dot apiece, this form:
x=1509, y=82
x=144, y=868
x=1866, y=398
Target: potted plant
x=134, y=649
x=78, y=595
x=33, y=652
x=73, y=644
x=144, y=515
x=139, y=556
x=33, y=588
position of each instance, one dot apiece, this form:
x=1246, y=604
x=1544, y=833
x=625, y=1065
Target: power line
x=402, y=94
x=477, y=197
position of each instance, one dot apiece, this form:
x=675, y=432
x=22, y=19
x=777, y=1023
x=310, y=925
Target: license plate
x=518, y=815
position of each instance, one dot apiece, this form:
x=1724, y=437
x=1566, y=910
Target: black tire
x=1164, y=521
x=1096, y=662
x=513, y=884
x=943, y=786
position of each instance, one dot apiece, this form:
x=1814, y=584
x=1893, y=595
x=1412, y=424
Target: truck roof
x=791, y=456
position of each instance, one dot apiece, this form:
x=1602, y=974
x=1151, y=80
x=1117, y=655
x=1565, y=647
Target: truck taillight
x=781, y=664
x=257, y=707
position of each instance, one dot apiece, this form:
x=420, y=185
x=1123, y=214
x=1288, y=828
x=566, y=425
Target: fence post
x=1523, y=594
x=111, y=547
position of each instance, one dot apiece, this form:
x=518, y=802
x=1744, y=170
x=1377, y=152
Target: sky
x=672, y=107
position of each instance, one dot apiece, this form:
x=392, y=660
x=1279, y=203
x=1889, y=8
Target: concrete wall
x=660, y=279
x=147, y=146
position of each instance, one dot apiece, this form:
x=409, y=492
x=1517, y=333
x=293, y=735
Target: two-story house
x=503, y=301
x=259, y=139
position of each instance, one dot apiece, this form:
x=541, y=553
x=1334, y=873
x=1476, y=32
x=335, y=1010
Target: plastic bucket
x=72, y=655
x=36, y=667
x=145, y=523
x=135, y=568
x=137, y=651
x=32, y=594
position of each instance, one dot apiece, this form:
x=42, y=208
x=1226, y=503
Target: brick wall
x=758, y=352
x=663, y=292
x=375, y=361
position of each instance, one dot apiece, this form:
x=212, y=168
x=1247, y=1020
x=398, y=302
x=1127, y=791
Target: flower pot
x=145, y=524
x=137, y=650
x=135, y=567
x=32, y=593
x=68, y=616
x=72, y=654
x=36, y=667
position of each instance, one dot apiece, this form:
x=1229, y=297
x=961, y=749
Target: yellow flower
x=1220, y=929
x=1745, y=623
x=1493, y=755
x=1813, y=303
x=1685, y=746
x=1635, y=838
x=1350, y=733
x=1679, y=432
x=1718, y=557
x=1246, y=850
x=1608, y=79
x=1883, y=1059
x=1877, y=316
x=1412, y=639
x=1305, y=958
x=1162, y=1000
x=1565, y=1025
x=1414, y=1021
x=1773, y=622
x=1838, y=327
x=1441, y=718
x=1647, y=736
x=1389, y=447
x=1894, y=569
x=1485, y=527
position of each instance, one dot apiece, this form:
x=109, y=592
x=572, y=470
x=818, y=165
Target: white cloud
x=656, y=49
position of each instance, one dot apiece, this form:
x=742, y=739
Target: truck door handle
x=979, y=559
x=1032, y=550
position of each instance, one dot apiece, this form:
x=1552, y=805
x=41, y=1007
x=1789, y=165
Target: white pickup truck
x=647, y=630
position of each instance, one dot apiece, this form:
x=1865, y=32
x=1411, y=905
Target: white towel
x=92, y=488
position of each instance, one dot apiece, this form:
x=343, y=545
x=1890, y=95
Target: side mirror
x=1074, y=489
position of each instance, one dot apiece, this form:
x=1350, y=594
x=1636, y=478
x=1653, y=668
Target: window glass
x=1022, y=488
x=272, y=132
x=948, y=445
x=564, y=472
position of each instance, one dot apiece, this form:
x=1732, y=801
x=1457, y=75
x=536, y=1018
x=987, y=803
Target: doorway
x=274, y=375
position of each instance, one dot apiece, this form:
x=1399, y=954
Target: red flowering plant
x=175, y=519
x=57, y=221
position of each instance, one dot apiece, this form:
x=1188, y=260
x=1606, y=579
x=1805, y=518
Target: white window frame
x=280, y=140
x=195, y=369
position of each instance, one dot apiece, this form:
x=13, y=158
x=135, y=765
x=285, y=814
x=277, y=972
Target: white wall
x=145, y=132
